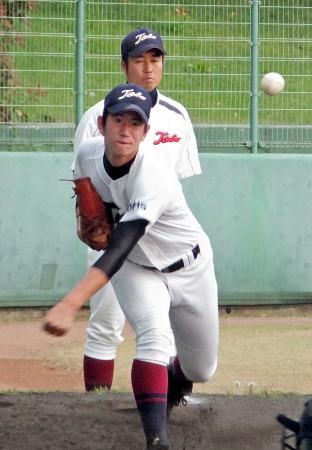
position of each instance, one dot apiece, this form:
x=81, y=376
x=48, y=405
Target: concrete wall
x=255, y=208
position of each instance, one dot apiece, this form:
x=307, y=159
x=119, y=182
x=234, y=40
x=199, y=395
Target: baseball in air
x=273, y=83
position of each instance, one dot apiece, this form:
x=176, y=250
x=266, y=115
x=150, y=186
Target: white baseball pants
x=186, y=299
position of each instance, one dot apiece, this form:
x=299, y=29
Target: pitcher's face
x=123, y=133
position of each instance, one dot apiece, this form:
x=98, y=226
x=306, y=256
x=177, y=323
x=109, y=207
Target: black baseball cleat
x=177, y=390
x=157, y=444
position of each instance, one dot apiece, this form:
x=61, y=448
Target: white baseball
x=273, y=83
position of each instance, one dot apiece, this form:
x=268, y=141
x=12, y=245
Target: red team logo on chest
x=164, y=138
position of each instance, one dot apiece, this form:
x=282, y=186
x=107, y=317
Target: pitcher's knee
x=200, y=373
x=154, y=347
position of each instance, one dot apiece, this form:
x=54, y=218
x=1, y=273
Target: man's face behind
x=145, y=70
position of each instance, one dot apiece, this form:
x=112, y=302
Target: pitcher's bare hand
x=58, y=320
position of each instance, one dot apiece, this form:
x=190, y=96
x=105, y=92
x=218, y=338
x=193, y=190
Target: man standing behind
x=172, y=138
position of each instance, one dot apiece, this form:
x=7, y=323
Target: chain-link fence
x=286, y=48
x=37, y=60
x=208, y=67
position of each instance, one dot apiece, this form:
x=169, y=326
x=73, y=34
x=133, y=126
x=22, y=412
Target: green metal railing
x=254, y=71
x=58, y=58
x=80, y=60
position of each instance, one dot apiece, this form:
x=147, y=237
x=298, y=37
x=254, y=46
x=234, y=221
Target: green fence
x=209, y=68
x=57, y=58
x=256, y=210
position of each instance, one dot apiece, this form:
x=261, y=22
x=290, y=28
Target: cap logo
x=141, y=37
x=131, y=93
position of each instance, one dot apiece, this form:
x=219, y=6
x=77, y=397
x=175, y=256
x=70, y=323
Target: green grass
x=209, y=71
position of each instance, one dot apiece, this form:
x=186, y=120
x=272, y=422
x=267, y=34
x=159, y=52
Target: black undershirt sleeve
x=121, y=242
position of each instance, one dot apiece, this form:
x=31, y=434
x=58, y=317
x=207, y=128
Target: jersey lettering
x=136, y=205
x=164, y=137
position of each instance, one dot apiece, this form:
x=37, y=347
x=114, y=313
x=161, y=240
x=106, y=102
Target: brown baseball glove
x=94, y=221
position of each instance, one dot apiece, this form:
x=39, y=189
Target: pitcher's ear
x=100, y=124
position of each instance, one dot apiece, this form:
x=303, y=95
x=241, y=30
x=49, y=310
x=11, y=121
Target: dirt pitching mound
x=94, y=421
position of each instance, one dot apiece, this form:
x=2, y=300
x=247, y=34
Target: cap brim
x=145, y=48
x=122, y=107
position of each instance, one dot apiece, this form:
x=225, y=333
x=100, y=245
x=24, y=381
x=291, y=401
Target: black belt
x=180, y=263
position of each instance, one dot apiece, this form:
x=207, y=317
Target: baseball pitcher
x=158, y=259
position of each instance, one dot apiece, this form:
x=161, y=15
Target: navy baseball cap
x=128, y=97
x=140, y=41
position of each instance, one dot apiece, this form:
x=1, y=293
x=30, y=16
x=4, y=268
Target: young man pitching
x=158, y=259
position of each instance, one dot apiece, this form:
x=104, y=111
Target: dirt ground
x=66, y=421
x=28, y=367
x=268, y=347
x=55, y=413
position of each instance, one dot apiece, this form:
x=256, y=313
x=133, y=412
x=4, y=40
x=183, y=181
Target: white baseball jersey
x=151, y=300
x=150, y=191
x=171, y=135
